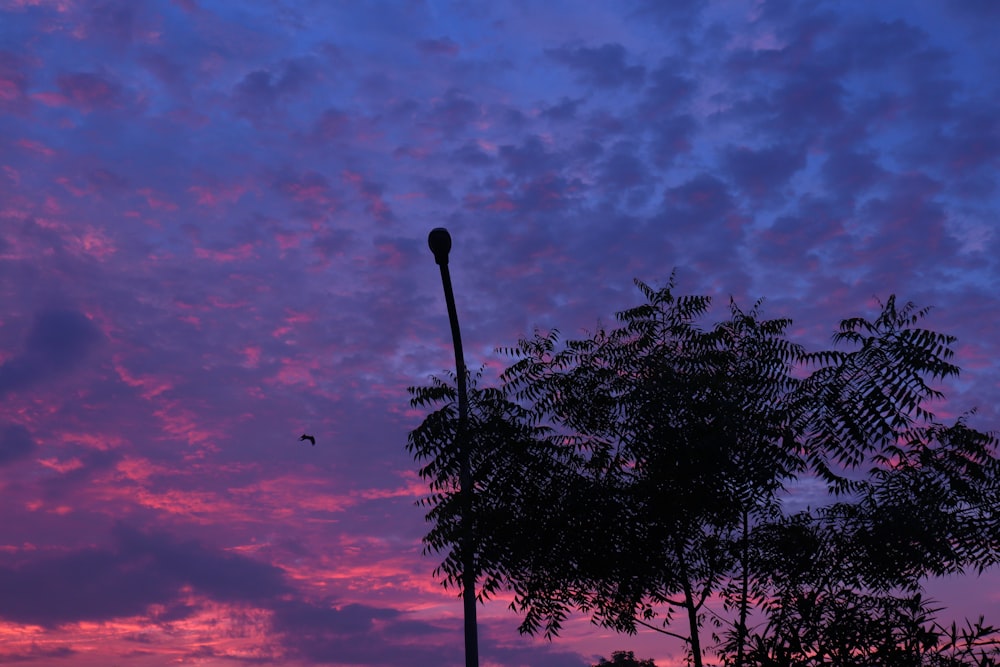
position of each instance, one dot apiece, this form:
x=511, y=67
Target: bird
x=311, y=439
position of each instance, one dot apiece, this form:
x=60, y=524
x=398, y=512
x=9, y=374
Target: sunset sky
x=213, y=224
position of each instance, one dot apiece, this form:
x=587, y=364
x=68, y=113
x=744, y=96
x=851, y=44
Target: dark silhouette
x=639, y=473
x=439, y=241
x=624, y=659
x=311, y=439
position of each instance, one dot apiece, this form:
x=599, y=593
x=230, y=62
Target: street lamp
x=439, y=241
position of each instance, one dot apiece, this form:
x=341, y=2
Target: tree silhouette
x=624, y=659
x=640, y=475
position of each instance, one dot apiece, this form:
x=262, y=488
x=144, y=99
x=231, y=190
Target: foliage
x=641, y=475
x=511, y=460
x=624, y=659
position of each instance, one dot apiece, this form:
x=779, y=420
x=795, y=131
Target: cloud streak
x=58, y=342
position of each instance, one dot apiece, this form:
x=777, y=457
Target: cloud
x=13, y=81
x=622, y=170
x=333, y=125
x=62, y=338
x=37, y=653
x=678, y=15
x=977, y=11
x=702, y=220
x=15, y=443
x=438, y=47
x=88, y=91
x=528, y=159
x=762, y=173
x=370, y=193
x=975, y=142
x=89, y=585
x=701, y=200
x=472, y=155
x=88, y=465
x=59, y=341
x=669, y=89
x=314, y=620
x=602, y=66
x=453, y=112
x=260, y=91
x=154, y=575
x=115, y=19
x=564, y=110
x=141, y=569
x=222, y=576
x=793, y=242
x=359, y=634
x=672, y=137
x=850, y=172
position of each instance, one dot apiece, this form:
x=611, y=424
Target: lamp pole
x=439, y=241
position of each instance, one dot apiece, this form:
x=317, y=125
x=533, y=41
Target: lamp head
x=439, y=241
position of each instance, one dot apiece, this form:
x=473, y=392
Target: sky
x=213, y=224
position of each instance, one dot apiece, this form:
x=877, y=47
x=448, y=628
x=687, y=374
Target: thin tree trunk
x=741, y=629
x=692, y=608
x=693, y=622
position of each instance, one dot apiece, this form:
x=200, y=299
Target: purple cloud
x=602, y=66
x=140, y=570
x=761, y=173
x=58, y=342
x=438, y=47
x=15, y=443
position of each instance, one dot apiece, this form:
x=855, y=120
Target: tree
x=517, y=488
x=648, y=466
x=624, y=659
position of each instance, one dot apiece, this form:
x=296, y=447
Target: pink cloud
x=296, y=372
x=239, y=253
x=251, y=355
x=149, y=386
x=156, y=201
x=88, y=92
x=9, y=89
x=36, y=147
x=218, y=194
x=12, y=174
x=62, y=466
x=371, y=194
x=182, y=423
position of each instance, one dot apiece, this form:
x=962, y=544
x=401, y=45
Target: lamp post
x=439, y=241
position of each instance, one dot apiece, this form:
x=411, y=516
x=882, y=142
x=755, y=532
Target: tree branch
x=661, y=630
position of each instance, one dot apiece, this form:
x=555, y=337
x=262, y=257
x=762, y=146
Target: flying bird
x=311, y=439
